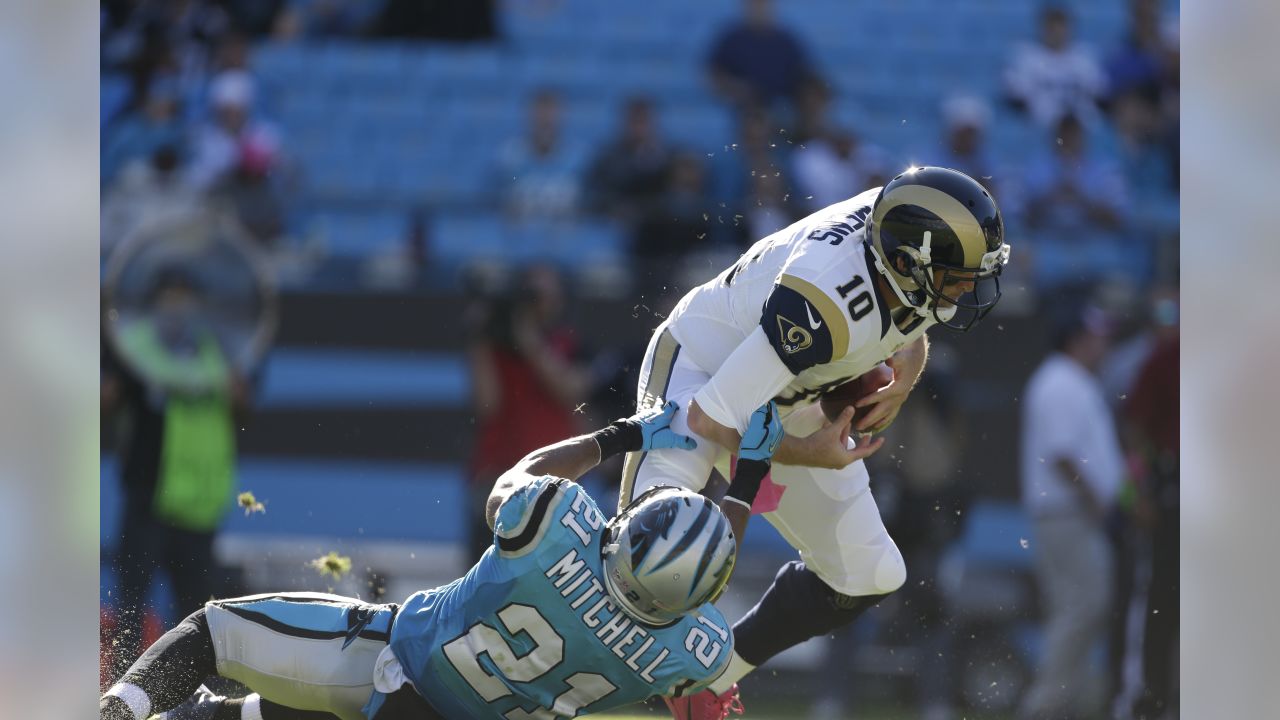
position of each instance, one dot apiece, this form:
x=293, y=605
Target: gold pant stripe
x=653, y=390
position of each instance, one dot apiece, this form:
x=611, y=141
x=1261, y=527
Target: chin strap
x=925, y=256
x=893, y=284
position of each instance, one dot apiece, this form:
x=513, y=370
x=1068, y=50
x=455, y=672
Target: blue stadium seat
x=335, y=378
x=396, y=501
x=287, y=61
x=997, y=533
x=114, y=93
x=459, y=239
x=356, y=235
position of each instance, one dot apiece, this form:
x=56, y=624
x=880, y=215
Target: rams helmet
x=934, y=219
x=667, y=553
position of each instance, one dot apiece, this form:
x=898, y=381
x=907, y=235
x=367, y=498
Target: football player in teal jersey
x=565, y=615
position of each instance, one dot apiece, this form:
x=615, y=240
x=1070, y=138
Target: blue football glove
x=655, y=427
x=763, y=434
x=755, y=454
x=647, y=430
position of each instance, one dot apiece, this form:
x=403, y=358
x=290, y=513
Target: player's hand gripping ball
x=835, y=401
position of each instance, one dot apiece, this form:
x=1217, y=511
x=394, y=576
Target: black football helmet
x=934, y=219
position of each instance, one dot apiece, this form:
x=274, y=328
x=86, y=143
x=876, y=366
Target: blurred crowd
x=1092, y=215
x=1095, y=195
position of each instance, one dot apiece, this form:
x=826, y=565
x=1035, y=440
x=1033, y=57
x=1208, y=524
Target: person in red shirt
x=1152, y=415
x=525, y=384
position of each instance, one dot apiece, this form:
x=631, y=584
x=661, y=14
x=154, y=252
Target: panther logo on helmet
x=668, y=552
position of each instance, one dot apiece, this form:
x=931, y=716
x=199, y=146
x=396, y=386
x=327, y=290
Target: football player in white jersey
x=804, y=310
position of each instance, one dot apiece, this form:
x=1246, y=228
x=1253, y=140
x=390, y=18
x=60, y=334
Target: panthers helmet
x=668, y=552
x=934, y=219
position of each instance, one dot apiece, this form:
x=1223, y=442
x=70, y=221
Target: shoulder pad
x=522, y=519
x=804, y=325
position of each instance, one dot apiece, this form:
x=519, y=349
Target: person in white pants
x=1071, y=472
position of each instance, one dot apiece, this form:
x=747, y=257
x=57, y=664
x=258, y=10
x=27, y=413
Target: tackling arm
x=750, y=377
x=572, y=458
x=755, y=458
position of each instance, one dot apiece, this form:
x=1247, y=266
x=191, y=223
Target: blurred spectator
x=540, y=173
x=1071, y=472
x=813, y=113
x=233, y=134
x=833, y=167
x=967, y=118
x=249, y=193
x=677, y=221
x=1141, y=63
x=179, y=399
x=139, y=134
x=1152, y=420
x=256, y=18
x=1055, y=76
x=1078, y=203
x=769, y=207
x=1145, y=162
x=756, y=62
x=525, y=384
x=151, y=40
x=1131, y=340
x=733, y=174
x=231, y=53
x=630, y=171
x=146, y=191
x=314, y=19
x=437, y=19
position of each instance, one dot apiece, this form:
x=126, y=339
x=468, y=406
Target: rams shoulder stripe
x=827, y=308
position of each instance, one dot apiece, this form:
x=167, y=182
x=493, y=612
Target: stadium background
x=382, y=167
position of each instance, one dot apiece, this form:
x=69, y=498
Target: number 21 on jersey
x=547, y=653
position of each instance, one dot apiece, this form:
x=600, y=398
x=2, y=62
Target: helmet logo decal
x=795, y=337
x=675, y=554
x=707, y=553
x=689, y=537
x=651, y=524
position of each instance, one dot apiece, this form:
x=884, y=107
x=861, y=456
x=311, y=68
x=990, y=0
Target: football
x=834, y=401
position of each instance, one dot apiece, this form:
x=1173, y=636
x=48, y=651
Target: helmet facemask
x=966, y=309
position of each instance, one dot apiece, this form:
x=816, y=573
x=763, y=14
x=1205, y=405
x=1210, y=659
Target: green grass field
x=796, y=711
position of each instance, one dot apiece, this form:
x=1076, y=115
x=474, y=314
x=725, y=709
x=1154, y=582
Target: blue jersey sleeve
x=523, y=518
x=705, y=645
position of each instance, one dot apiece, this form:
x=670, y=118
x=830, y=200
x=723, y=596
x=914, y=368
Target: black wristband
x=747, y=476
x=617, y=437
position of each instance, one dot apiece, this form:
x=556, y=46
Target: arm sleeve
x=752, y=375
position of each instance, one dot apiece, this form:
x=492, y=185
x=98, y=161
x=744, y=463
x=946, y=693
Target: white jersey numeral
x=584, y=689
x=548, y=651
x=706, y=651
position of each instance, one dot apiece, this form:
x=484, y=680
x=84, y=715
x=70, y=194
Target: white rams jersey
x=799, y=313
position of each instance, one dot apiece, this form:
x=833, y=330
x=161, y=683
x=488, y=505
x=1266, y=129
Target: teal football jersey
x=531, y=632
